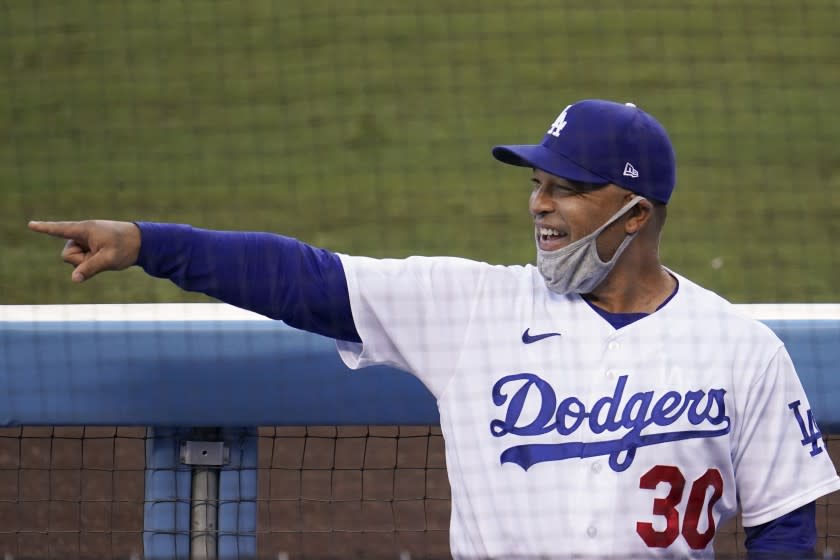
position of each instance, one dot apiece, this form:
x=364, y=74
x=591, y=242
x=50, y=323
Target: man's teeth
x=548, y=232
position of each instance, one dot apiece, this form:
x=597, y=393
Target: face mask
x=577, y=267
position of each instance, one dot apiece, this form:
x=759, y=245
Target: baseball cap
x=598, y=141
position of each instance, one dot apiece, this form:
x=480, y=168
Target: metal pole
x=206, y=455
x=204, y=514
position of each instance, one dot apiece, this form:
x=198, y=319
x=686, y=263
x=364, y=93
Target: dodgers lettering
x=608, y=414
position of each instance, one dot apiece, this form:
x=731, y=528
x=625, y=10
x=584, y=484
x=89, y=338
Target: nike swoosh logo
x=528, y=338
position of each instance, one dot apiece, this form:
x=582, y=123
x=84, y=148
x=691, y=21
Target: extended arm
x=273, y=275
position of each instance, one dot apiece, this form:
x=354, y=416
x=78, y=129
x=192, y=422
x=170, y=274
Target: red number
x=696, y=499
x=667, y=507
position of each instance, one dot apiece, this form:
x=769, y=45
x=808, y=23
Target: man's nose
x=540, y=202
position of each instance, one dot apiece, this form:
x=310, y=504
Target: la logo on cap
x=599, y=141
x=559, y=123
x=630, y=171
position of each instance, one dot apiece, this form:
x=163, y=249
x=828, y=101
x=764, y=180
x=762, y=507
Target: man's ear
x=639, y=215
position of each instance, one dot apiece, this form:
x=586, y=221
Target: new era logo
x=630, y=171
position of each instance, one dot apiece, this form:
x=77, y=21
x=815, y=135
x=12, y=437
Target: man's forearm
x=276, y=276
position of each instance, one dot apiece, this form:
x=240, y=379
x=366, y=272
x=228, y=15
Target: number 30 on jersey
x=667, y=507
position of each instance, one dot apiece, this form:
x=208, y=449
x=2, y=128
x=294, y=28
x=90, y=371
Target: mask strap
x=615, y=217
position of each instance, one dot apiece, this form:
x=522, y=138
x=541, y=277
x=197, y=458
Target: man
x=597, y=404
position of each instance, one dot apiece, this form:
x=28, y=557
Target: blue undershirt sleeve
x=276, y=276
x=793, y=535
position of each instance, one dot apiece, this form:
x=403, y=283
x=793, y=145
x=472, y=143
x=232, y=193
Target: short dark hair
x=581, y=186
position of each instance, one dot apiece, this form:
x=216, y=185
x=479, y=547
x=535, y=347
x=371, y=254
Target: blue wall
x=238, y=375
x=257, y=373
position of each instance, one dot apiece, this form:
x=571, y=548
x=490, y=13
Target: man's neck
x=637, y=293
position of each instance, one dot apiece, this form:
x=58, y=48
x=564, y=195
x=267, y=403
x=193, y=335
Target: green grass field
x=365, y=127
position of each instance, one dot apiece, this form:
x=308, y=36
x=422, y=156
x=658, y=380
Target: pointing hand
x=94, y=246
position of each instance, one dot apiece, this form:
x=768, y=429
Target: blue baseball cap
x=597, y=141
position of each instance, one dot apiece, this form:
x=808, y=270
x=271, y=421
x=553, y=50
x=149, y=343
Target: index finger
x=67, y=230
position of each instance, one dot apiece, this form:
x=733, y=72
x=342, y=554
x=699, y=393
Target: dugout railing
x=202, y=381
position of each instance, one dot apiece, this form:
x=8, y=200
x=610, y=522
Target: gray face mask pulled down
x=577, y=268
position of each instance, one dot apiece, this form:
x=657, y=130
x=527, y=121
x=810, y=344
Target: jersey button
x=613, y=345
x=596, y=468
x=611, y=374
x=592, y=532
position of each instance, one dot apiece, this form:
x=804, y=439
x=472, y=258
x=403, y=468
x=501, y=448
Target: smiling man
x=590, y=202
x=597, y=404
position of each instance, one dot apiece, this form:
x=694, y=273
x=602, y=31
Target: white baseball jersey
x=565, y=436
